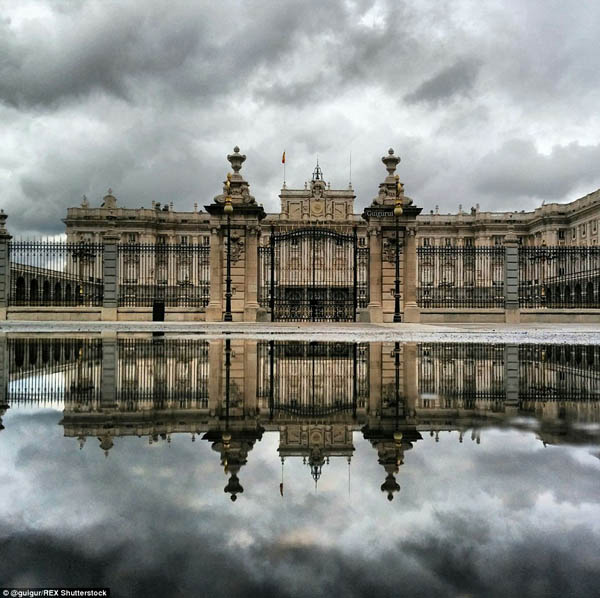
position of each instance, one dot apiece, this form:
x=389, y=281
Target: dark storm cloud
x=148, y=99
x=457, y=79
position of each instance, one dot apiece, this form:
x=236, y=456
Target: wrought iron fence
x=460, y=277
x=49, y=273
x=311, y=378
x=175, y=275
x=559, y=372
x=315, y=274
x=54, y=369
x=453, y=375
x=163, y=373
x=560, y=277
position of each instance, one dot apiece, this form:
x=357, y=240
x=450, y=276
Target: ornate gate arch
x=313, y=274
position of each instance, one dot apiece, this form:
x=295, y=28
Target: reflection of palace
x=316, y=395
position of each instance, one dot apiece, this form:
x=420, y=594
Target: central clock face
x=317, y=208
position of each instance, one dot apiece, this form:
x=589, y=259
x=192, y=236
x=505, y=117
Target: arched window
x=57, y=294
x=46, y=293
x=33, y=291
x=589, y=294
x=20, y=291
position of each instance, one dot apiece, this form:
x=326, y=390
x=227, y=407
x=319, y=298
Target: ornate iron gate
x=312, y=378
x=313, y=274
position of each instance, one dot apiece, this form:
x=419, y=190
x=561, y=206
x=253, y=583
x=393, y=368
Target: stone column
x=511, y=378
x=110, y=276
x=375, y=350
x=215, y=373
x=4, y=266
x=511, y=279
x=214, y=309
x=250, y=375
x=375, y=309
x=412, y=312
x=108, y=385
x=251, y=305
x=411, y=379
x=4, y=361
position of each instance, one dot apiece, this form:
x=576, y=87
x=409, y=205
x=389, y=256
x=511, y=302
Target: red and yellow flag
x=283, y=158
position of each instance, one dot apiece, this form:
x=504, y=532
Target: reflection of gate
x=311, y=378
x=314, y=274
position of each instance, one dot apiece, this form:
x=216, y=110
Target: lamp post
x=228, y=210
x=397, y=214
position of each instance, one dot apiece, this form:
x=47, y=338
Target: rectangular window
x=448, y=242
x=162, y=239
x=497, y=239
x=469, y=242
x=561, y=235
x=426, y=242
x=184, y=240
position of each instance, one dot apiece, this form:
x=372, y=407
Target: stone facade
x=576, y=223
x=382, y=242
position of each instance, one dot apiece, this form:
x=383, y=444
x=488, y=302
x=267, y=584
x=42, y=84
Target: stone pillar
x=110, y=276
x=412, y=313
x=375, y=309
x=4, y=361
x=4, y=266
x=214, y=309
x=251, y=305
x=250, y=376
x=108, y=385
x=411, y=379
x=215, y=373
x=245, y=215
x=374, y=378
x=511, y=279
x=511, y=378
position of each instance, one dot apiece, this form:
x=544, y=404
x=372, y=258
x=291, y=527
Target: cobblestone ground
x=349, y=332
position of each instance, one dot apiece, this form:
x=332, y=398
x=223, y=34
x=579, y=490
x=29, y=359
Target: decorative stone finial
x=390, y=486
x=84, y=202
x=391, y=161
x=3, y=218
x=109, y=200
x=236, y=159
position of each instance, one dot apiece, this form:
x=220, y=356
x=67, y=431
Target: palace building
x=316, y=259
x=571, y=224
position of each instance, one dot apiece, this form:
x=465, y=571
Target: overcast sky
x=491, y=102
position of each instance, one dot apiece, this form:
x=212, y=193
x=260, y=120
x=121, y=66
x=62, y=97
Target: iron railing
x=311, y=378
x=54, y=369
x=314, y=274
x=174, y=275
x=163, y=373
x=562, y=277
x=453, y=375
x=49, y=273
x=460, y=277
x=559, y=372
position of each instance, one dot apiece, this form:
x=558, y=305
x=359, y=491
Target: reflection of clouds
x=486, y=519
